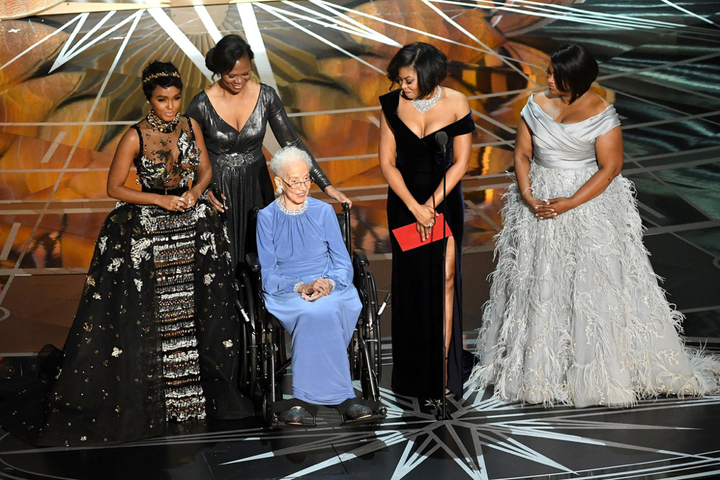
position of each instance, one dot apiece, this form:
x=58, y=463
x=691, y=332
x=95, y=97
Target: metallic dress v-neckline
x=247, y=121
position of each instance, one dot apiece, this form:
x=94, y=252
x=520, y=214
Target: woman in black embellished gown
x=234, y=113
x=143, y=350
x=413, y=165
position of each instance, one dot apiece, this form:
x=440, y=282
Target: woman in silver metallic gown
x=576, y=315
x=233, y=114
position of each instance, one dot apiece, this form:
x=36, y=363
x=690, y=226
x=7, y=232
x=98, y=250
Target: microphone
x=441, y=139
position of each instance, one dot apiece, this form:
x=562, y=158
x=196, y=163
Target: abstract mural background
x=70, y=87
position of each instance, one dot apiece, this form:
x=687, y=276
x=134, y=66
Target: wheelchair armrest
x=360, y=258
x=253, y=262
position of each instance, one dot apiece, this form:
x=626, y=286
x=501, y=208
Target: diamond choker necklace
x=161, y=125
x=423, y=106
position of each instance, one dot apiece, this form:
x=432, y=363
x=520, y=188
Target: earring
x=278, y=191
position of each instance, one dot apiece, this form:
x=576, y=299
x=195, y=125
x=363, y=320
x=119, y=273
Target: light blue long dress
x=300, y=246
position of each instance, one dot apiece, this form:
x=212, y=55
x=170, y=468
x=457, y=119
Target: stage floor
x=69, y=88
x=484, y=439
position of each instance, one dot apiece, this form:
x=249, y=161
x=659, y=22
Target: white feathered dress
x=576, y=315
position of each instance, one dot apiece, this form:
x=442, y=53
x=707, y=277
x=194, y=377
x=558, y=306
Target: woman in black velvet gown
x=413, y=166
x=145, y=347
x=233, y=114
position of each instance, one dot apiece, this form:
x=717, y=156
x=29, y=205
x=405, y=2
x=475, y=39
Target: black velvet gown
x=146, y=346
x=239, y=166
x=417, y=275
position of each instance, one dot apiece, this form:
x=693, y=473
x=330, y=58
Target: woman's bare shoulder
x=543, y=98
x=458, y=101
x=596, y=104
x=130, y=138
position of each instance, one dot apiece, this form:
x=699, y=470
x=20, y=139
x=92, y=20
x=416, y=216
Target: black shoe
x=296, y=416
x=357, y=411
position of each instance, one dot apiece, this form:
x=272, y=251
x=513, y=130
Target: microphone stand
x=441, y=139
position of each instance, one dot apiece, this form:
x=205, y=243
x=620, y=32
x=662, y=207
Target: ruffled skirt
x=576, y=315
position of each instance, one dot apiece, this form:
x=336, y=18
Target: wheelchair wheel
x=355, y=355
x=250, y=341
x=243, y=335
x=372, y=334
x=266, y=409
x=366, y=351
x=243, y=348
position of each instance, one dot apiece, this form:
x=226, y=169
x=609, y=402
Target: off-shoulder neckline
x=532, y=99
x=469, y=114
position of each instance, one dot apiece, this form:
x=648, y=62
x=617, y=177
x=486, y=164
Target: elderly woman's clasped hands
x=314, y=290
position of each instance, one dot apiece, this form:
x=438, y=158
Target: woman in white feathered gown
x=576, y=315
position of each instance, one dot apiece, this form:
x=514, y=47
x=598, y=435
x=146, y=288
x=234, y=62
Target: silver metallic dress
x=576, y=315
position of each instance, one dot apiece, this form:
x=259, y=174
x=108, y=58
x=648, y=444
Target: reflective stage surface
x=70, y=86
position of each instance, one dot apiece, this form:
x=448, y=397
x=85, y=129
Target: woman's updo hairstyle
x=160, y=74
x=222, y=57
x=574, y=69
x=429, y=63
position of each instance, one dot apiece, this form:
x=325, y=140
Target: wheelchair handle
x=384, y=304
x=253, y=262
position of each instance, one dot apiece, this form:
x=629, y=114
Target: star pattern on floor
x=479, y=427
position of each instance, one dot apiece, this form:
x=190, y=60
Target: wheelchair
x=264, y=342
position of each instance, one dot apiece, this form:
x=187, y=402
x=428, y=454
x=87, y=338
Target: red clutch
x=409, y=238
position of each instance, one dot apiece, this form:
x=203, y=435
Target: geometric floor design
x=483, y=439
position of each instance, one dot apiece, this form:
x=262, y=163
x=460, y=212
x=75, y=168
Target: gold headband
x=161, y=74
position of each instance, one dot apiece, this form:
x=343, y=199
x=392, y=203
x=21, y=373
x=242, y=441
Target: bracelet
x=297, y=286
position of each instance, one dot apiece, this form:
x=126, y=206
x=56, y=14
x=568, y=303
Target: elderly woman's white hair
x=287, y=155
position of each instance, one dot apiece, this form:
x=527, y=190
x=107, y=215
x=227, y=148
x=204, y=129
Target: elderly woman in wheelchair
x=307, y=284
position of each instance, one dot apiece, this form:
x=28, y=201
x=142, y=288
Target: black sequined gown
x=142, y=349
x=239, y=165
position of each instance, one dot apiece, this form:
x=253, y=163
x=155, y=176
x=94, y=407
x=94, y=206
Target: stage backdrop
x=70, y=87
